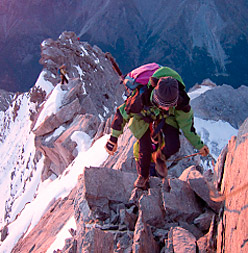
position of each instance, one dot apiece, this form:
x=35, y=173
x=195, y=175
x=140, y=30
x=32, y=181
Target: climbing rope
x=223, y=197
x=182, y=157
x=217, y=196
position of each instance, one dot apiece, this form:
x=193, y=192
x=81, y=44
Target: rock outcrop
x=85, y=103
x=232, y=234
x=5, y=99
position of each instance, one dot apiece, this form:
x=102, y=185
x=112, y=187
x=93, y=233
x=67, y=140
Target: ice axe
x=117, y=70
x=114, y=65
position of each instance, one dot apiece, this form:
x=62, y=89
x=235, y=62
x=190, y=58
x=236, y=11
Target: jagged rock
x=70, y=246
x=124, y=242
x=98, y=187
x=152, y=208
x=135, y=196
x=5, y=99
x=232, y=228
x=75, y=90
x=203, y=221
x=91, y=89
x=56, y=119
x=200, y=186
x=128, y=217
x=143, y=241
x=180, y=241
x=202, y=244
x=220, y=103
x=123, y=159
x=191, y=228
x=179, y=201
x=160, y=235
x=100, y=84
x=93, y=239
x=59, y=148
x=4, y=233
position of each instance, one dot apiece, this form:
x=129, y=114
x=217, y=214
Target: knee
x=169, y=150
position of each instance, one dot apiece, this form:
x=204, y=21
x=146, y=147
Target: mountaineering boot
x=141, y=182
x=160, y=165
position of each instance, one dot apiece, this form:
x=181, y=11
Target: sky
x=19, y=146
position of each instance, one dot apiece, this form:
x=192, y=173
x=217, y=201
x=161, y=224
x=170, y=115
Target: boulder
x=59, y=148
x=203, y=221
x=93, y=239
x=180, y=241
x=152, y=208
x=98, y=188
x=200, y=186
x=179, y=201
x=143, y=241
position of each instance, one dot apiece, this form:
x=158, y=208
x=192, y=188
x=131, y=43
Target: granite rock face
x=232, y=228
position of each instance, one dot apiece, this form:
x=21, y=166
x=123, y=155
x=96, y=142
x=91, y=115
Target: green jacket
x=177, y=117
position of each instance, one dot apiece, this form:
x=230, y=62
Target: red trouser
x=172, y=145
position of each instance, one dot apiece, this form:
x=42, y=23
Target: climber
x=62, y=73
x=155, y=117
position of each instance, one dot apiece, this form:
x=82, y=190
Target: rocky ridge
x=174, y=215
x=93, y=88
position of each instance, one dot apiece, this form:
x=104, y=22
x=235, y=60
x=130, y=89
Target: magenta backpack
x=140, y=76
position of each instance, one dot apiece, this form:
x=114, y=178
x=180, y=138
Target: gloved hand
x=204, y=151
x=111, y=145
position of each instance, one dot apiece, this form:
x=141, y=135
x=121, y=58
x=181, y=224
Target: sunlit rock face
x=232, y=181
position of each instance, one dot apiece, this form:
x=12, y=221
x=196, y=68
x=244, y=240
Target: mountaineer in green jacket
x=155, y=116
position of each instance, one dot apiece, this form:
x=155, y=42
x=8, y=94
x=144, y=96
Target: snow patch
x=215, y=134
x=43, y=84
x=56, y=133
x=197, y=92
x=82, y=139
x=52, y=105
x=63, y=235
